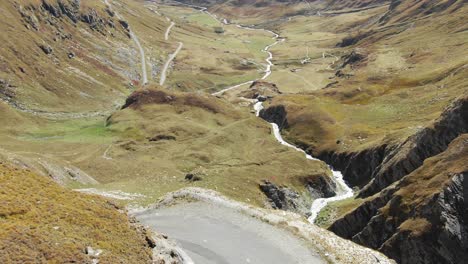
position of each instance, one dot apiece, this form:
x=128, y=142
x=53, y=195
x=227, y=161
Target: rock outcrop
x=428, y=142
x=285, y=198
x=50, y=11
x=422, y=218
x=261, y=91
x=378, y=167
x=357, y=167
x=275, y=114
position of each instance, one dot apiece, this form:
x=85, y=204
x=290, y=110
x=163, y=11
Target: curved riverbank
x=343, y=191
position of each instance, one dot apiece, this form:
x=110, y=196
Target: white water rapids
x=343, y=191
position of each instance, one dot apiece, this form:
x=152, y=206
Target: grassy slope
x=208, y=61
x=91, y=81
x=391, y=94
x=415, y=66
x=231, y=150
x=83, y=141
x=42, y=222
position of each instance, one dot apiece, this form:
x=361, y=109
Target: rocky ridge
x=420, y=218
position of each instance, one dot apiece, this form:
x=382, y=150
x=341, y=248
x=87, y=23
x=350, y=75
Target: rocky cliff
x=416, y=190
x=289, y=199
x=426, y=143
x=420, y=218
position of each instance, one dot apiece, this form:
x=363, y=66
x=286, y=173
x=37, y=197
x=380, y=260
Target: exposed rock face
x=357, y=167
x=379, y=167
x=284, y=198
x=422, y=218
x=426, y=143
x=320, y=186
x=28, y=15
x=447, y=239
x=193, y=177
x=46, y=49
x=275, y=114
x=352, y=58
x=418, y=212
x=50, y=11
x=261, y=90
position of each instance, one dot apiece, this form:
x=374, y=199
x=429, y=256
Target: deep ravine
x=343, y=191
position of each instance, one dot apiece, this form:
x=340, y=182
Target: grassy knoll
x=149, y=149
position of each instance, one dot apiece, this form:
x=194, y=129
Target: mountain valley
x=340, y=126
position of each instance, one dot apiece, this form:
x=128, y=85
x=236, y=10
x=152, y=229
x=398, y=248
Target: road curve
x=142, y=55
x=266, y=49
x=211, y=234
x=172, y=56
x=168, y=30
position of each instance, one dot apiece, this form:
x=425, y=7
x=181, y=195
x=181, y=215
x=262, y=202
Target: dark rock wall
x=429, y=142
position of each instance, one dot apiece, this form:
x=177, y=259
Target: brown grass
x=41, y=222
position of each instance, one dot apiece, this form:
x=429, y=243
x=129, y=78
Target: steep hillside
x=377, y=89
x=381, y=92
x=420, y=218
x=60, y=57
x=384, y=90
x=42, y=222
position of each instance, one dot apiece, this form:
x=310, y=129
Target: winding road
x=172, y=56
x=268, y=60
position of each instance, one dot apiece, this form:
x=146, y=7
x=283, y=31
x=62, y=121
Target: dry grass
x=410, y=73
x=209, y=136
x=42, y=222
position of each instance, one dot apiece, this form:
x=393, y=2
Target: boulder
x=46, y=49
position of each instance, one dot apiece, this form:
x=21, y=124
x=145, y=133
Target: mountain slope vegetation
x=377, y=89
x=43, y=222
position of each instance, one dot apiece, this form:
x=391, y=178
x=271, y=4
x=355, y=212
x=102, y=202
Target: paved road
x=214, y=234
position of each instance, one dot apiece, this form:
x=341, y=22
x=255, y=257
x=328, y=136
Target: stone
x=193, y=177
x=46, y=49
